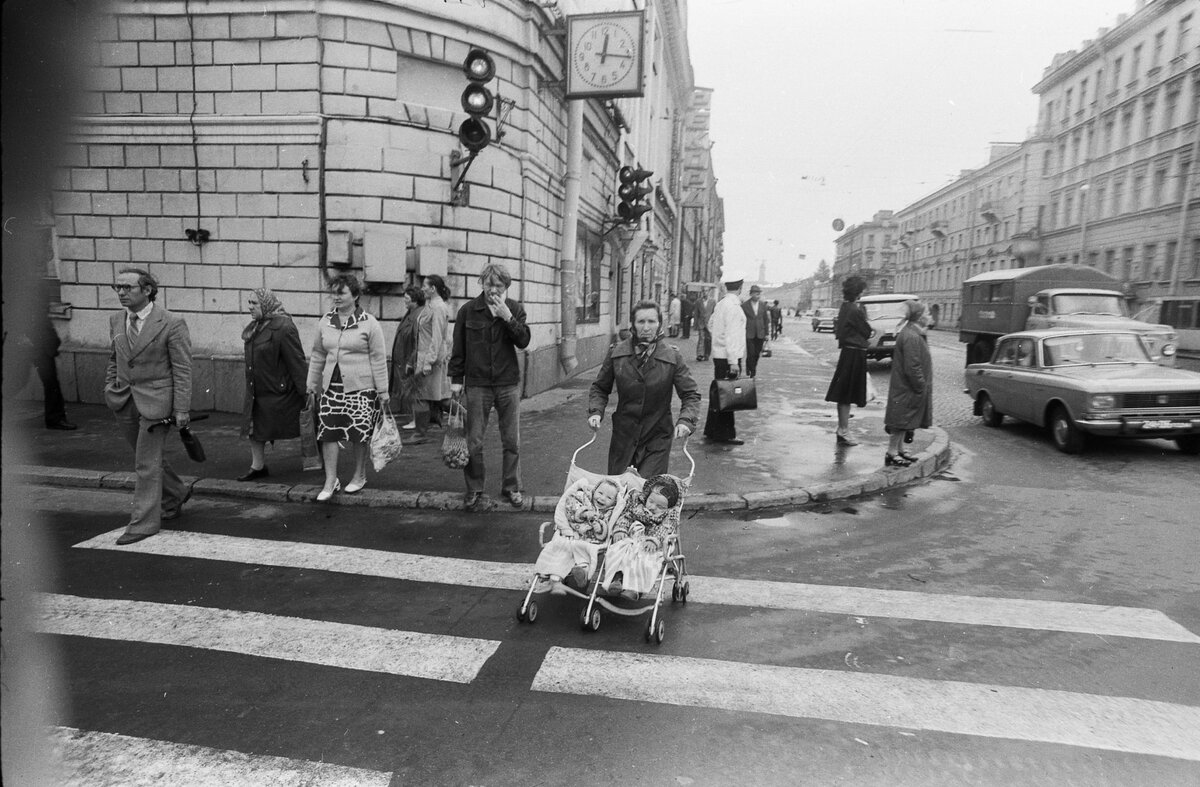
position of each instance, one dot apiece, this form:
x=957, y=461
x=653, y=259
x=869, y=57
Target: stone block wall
x=270, y=130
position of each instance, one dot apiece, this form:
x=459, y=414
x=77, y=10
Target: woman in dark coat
x=849, y=383
x=403, y=380
x=275, y=373
x=910, y=391
x=644, y=371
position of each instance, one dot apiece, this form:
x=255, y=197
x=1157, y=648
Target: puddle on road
x=809, y=523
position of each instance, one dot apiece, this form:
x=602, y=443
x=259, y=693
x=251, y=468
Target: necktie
x=135, y=324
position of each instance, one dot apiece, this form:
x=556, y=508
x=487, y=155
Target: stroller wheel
x=531, y=613
x=590, y=622
x=656, y=632
x=676, y=594
x=683, y=591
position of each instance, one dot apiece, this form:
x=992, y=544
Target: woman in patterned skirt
x=348, y=371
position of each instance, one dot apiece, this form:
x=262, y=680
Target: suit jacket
x=758, y=326
x=154, y=367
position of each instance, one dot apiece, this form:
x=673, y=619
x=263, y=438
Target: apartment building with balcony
x=1121, y=116
x=867, y=250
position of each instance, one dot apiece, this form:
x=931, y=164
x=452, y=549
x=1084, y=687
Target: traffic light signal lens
x=479, y=66
x=474, y=134
x=477, y=100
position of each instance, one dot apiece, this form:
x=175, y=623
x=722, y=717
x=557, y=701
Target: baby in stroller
x=639, y=537
x=588, y=507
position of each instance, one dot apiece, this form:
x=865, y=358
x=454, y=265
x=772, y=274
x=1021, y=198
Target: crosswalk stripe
x=413, y=654
x=91, y=758
x=834, y=599
x=1041, y=715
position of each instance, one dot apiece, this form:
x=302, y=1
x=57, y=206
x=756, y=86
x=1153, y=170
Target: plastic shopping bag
x=309, y=450
x=385, y=442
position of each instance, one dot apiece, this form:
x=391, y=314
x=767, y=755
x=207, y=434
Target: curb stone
x=930, y=462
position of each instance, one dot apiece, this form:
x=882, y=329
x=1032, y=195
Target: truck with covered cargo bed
x=1000, y=302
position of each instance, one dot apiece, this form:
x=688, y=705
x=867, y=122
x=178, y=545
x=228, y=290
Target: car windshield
x=1094, y=348
x=1083, y=303
x=878, y=311
x=827, y=312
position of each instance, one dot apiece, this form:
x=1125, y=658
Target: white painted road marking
x=1011, y=712
x=97, y=758
x=833, y=599
x=432, y=656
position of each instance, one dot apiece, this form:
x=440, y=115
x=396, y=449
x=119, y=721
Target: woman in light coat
x=434, y=342
x=348, y=371
x=910, y=391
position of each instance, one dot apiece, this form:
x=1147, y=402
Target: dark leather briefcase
x=733, y=395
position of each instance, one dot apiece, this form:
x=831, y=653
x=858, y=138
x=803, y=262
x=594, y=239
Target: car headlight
x=1102, y=402
x=1168, y=349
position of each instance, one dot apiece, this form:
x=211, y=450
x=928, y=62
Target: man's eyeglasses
x=125, y=287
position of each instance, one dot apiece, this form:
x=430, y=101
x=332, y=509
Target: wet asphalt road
x=1012, y=520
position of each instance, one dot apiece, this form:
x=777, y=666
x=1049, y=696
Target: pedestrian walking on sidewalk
x=148, y=379
x=347, y=369
x=853, y=332
x=776, y=314
x=402, y=376
x=728, y=327
x=701, y=314
x=686, y=307
x=488, y=331
x=434, y=341
x=674, y=314
x=276, y=371
x=645, y=371
x=910, y=390
x=758, y=326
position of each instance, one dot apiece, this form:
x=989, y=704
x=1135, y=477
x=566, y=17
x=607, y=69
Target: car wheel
x=1189, y=445
x=991, y=416
x=1066, y=435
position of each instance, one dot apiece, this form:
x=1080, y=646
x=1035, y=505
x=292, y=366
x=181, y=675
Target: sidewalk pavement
x=790, y=456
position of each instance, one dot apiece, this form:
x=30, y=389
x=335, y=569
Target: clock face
x=606, y=55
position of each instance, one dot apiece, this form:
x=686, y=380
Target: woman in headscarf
x=645, y=370
x=910, y=391
x=275, y=374
x=434, y=342
x=403, y=381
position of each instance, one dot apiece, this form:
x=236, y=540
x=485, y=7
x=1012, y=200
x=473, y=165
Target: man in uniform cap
x=728, y=328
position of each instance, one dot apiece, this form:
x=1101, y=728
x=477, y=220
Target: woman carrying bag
x=275, y=375
x=348, y=370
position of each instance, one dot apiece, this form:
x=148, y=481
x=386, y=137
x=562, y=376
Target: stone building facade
x=867, y=250
x=305, y=137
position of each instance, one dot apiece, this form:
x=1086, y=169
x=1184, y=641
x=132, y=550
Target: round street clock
x=605, y=55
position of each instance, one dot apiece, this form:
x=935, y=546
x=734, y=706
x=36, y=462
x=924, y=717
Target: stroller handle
x=574, y=456
x=688, y=454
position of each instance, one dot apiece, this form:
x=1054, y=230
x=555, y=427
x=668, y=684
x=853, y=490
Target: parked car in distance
x=1081, y=383
x=824, y=319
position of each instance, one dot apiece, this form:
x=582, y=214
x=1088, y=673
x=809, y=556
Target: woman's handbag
x=733, y=395
x=309, y=449
x=454, y=444
x=385, y=442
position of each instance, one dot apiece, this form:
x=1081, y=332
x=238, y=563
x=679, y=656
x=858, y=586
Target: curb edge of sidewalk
x=932, y=460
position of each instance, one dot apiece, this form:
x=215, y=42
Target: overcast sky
x=828, y=109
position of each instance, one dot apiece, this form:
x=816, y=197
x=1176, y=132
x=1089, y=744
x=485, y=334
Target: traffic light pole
x=458, y=169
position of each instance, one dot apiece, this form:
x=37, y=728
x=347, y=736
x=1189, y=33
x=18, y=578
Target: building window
x=1083, y=85
x=1137, y=192
x=1149, y=261
x=1196, y=258
x=1169, y=260
x=1118, y=197
x=1127, y=127
x=1127, y=264
x=1110, y=133
x=590, y=253
x=1135, y=64
x=1047, y=161
x=1067, y=106
x=1181, y=179
x=1100, y=204
x=1181, y=42
x=1160, y=43
x=1170, y=105
x=1068, y=217
x=1147, y=119
x=1159, y=196
x=1116, y=75
x=1110, y=261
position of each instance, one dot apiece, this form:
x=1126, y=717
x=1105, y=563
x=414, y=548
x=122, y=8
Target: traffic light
x=477, y=101
x=631, y=192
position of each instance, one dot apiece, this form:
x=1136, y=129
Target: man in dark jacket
x=758, y=326
x=685, y=314
x=488, y=331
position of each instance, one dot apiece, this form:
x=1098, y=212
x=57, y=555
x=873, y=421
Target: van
x=884, y=312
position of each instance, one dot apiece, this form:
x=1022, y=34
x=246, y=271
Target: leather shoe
x=516, y=498
x=177, y=511
x=63, y=424
x=261, y=472
x=734, y=441
x=355, y=486
x=323, y=496
x=132, y=538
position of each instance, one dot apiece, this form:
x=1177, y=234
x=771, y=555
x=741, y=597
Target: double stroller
x=614, y=543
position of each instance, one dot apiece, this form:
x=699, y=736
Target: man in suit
x=758, y=327
x=701, y=313
x=149, y=378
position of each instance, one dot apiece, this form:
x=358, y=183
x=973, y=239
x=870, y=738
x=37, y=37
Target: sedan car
x=824, y=320
x=1082, y=383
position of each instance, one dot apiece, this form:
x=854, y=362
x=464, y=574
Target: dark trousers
x=703, y=343
x=753, y=350
x=718, y=426
x=480, y=401
x=55, y=407
x=686, y=327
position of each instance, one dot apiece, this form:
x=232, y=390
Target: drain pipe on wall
x=566, y=350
